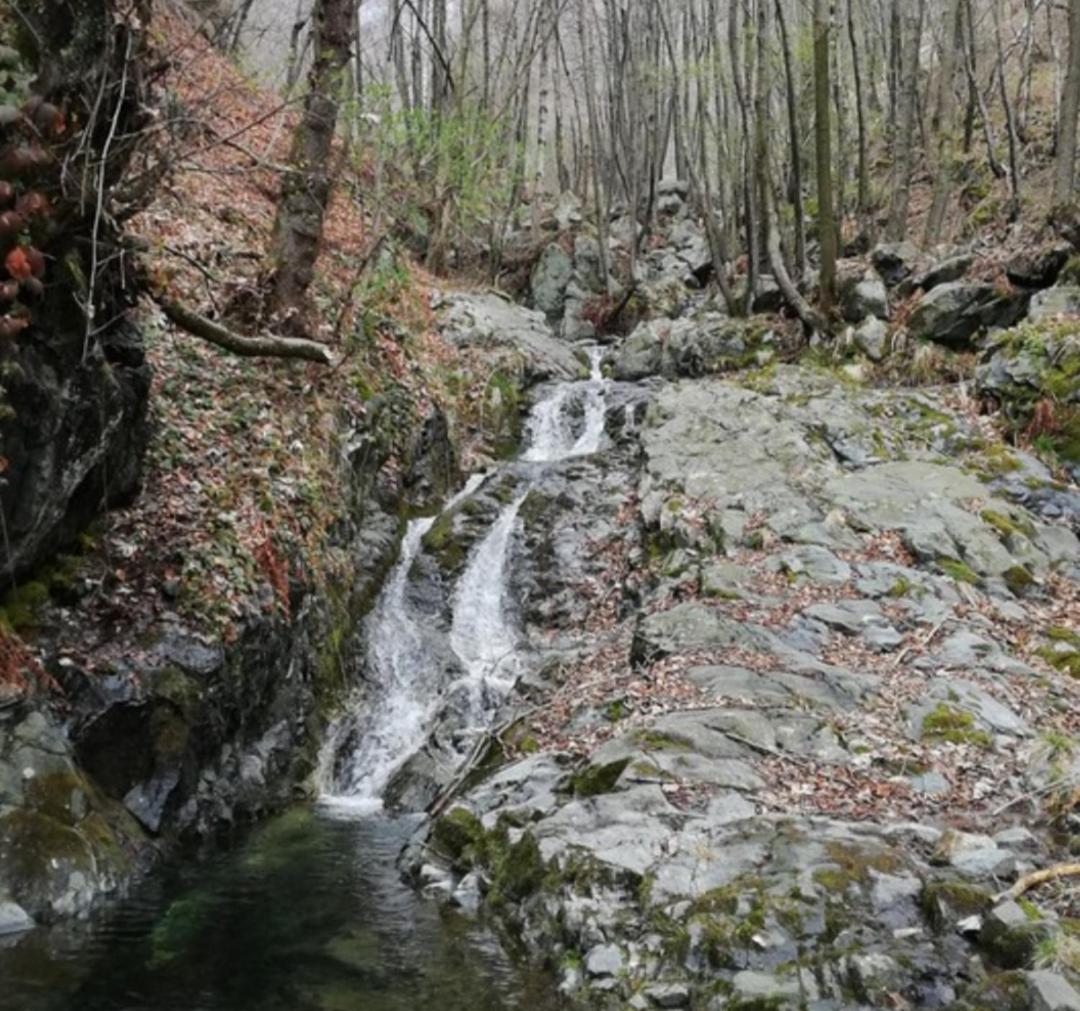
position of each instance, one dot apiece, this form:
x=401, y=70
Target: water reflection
x=310, y=915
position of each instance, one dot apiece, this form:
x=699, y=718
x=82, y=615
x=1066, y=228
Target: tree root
x=250, y=347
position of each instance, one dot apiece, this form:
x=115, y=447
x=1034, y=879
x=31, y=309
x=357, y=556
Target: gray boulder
x=952, y=269
x=550, y=277
x=953, y=313
x=1055, y=302
x=864, y=297
x=487, y=320
x=872, y=339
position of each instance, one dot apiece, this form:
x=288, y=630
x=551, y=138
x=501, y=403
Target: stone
x=1049, y=991
x=817, y=565
x=668, y=995
x=872, y=339
x=932, y=784
x=13, y=918
x=550, y=277
x=1039, y=268
x=953, y=313
x=895, y=262
x=952, y=269
x=865, y=298
x=485, y=320
x=604, y=960
x=1054, y=303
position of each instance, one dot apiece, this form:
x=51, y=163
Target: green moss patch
x=954, y=726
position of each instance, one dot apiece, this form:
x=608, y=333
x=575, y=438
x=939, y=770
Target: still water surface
x=308, y=915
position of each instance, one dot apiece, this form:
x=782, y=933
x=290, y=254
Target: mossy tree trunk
x=307, y=186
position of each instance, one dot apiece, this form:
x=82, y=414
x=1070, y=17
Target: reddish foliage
x=1044, y=420
x=276, y=570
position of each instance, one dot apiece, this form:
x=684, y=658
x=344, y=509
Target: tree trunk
x=907, y=110
x=944, y=125
x=305, y=190
x=1065, y=162
x=793, y=141
x=823, y=147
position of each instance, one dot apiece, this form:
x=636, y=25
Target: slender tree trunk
x=907, y=112
x=306, y=187
x=794, y=143
x=863, y=168
x=944, y=124
x=1065, y=161
x=1010, y=119
x=827, y=235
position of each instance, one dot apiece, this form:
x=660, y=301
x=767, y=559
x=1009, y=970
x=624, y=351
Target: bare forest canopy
x=804, y=127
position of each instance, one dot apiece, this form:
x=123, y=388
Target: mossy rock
x=945, y=903
x=459, y=836
x=518, y=870
x=954, y=726
x=1013, y=947
x=443, y=544
x=959, y=571
x=597, y=779
x=57, y=795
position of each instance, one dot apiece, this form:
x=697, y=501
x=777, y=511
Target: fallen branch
x=1036, y=878
x=249, y=347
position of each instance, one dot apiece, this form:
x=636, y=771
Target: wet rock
x=74, y=430
x=13, y=918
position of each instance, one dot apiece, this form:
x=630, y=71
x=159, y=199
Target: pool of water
x=308, y=915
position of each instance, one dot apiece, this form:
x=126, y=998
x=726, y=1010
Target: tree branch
x=249, y=347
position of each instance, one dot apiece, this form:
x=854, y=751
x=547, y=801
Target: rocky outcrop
x=1033, y=374
x=952, y=314
x=493, y=322
x=74, y=432
x=814, y=592
x=700, y=345
x=193, y=737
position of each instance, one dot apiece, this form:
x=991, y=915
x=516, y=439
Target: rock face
x=793, y=559
x=73, y=432
x=1036, y=369
x=493, y=322
x=695, y=346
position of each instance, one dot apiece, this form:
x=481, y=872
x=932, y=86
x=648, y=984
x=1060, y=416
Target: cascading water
x=383, y=731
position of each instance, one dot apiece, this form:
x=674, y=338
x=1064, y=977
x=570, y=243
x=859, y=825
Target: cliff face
x=73, y=393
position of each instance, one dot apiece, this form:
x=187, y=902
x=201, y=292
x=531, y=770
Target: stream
x=310, y=913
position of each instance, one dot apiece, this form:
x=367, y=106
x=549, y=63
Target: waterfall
x=391, y=719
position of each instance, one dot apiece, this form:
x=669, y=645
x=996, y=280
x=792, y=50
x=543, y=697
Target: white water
x=551, y=426
x=388, y=725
